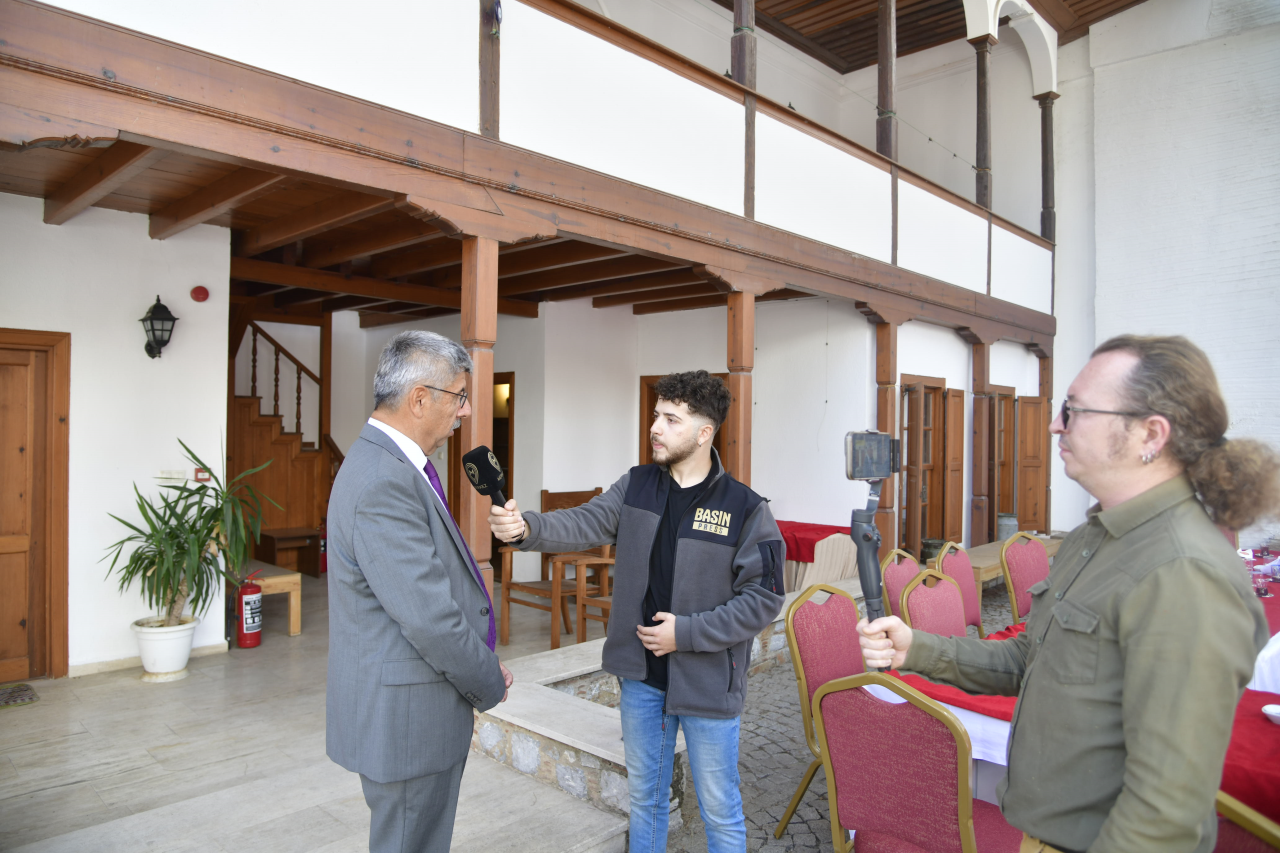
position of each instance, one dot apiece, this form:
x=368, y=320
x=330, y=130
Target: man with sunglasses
x=411, y=627
x=1142, y=638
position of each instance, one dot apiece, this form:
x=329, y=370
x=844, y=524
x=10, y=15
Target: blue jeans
x=649, y=738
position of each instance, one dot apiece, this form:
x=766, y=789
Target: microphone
x=485, y=473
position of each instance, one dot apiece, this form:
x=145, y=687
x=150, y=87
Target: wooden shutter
x=19, y=405
x=953, y=468
x=1033, y=446
x=912, y=505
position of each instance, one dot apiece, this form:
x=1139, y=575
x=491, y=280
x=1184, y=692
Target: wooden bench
x=275, y=580
x=290, y=546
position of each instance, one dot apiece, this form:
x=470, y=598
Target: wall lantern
x=158, y=324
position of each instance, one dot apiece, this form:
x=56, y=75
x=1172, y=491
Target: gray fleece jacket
x=727, y=583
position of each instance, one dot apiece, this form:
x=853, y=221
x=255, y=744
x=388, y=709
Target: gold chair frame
x=925, y=575
x=1248, y=819
x=937, y=564
x=964, y=754
x=806, y=713
x=1004, y=569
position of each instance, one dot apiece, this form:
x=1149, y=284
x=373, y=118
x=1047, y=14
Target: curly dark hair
x=705, y=394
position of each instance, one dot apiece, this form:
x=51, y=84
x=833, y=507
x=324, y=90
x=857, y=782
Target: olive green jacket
x=1136, y=653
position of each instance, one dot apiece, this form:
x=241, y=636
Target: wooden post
x=741, y=359
x=980, y=506
x=326, y=377
x=887, y=73
x=982, y=192
x=1048, y=216
x=743, y=68
x=1046, y=391
x=479, y=333
x=887, y=422
x=490, y=70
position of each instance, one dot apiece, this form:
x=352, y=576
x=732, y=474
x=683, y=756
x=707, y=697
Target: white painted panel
x=1021, y=271
x=807, y=187
x=422, y=58
x=1014, y=366
x=941, y=239
x=570, y=95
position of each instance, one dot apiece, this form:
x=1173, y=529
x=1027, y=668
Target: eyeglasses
x=1066, y=410
x=462, y=398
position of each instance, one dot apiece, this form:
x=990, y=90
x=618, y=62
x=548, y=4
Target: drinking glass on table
x=1260, y=581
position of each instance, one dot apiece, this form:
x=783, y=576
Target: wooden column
x=1048, y=216
x=887, y=73
x=982, y=193
x=326, y=378
x=980, y=507
x=490, y=70
x=887, y=421
x=479, y=333
x=743, y=68
x=1046, y=391
x=741, y=358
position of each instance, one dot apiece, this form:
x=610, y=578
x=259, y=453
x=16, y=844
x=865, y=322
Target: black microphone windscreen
x=483, y=471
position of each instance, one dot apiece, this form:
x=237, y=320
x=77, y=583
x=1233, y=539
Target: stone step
x=320, y=807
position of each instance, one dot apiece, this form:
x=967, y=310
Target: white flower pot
x=164, y=650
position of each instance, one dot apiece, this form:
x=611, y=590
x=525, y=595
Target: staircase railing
x=301, y=369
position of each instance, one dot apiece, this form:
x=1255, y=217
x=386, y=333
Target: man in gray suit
x=411, y=633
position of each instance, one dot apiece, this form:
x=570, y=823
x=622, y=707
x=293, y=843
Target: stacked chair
x=953, y=562
x=897, y=569
x=932, y=602
x=1244, y=830
x=1024, y=563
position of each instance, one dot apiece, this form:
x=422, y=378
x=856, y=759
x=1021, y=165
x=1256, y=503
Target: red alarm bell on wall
x=199, y=293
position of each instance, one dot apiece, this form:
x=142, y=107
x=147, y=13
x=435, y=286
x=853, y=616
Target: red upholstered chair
x=1244, y=830
x=900, y=775
x=824, y=646
x=932, y=602
x=1024, y=563
x=953, y=562
x=897, y=569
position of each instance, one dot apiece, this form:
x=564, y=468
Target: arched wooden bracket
x=729, y=281
x=979, y=333
x=878, y=313
x=458, y=221
x=22, y=129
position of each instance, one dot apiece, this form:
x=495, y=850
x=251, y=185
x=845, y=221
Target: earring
x=1148, y=458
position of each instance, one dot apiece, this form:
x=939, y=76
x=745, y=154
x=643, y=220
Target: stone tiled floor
x=773, y=757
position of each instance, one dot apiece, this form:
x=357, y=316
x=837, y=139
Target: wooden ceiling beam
x=796, y=39
x=299, y=296
x=370, y=319
x=671, y=278
x=222, y=195
x=656, y=295
x=710, y=302
x=330, y=213
x=346, y=303
x=112, y=168
x=553, y=257
x=437, y=253
x=354, y=285
x=1056, y=12
x=582, y=274
x=327, y=251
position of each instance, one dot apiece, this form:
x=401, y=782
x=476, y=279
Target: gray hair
x=416, y=358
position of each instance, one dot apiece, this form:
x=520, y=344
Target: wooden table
x=303, y=541
x=275, y=580
x=986, y=559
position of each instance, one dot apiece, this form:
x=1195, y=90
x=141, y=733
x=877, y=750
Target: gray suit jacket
x=407, y=622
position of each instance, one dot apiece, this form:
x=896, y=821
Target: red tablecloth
x=1251, y=772
x=801, y=536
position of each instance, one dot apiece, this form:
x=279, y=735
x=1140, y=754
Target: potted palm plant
x=190, y=538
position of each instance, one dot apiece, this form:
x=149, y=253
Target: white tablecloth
x=1266, y=671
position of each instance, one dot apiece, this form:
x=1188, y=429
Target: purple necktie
x=434, y=478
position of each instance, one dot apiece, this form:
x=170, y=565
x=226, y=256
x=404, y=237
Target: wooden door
x=504, y=434
x=913, y=445
x=1033, y=444
x=648, y=400
x=34, y=398
x=953, y=468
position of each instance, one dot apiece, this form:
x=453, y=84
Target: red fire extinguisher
x=324, y=547
x=249, y=615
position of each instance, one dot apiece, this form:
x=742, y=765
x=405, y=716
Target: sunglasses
x=1067, y=410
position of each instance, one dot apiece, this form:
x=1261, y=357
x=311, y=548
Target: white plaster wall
x=1188, y=223
x=941, y=239
x=928, y=350
x=378, y=50
x=813, y=382
x=1012, y=365
x=1021, y=271
x=94, y=277
x=352, y=386
x=683, y=340
x=1074, y=286
x=304, y=343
